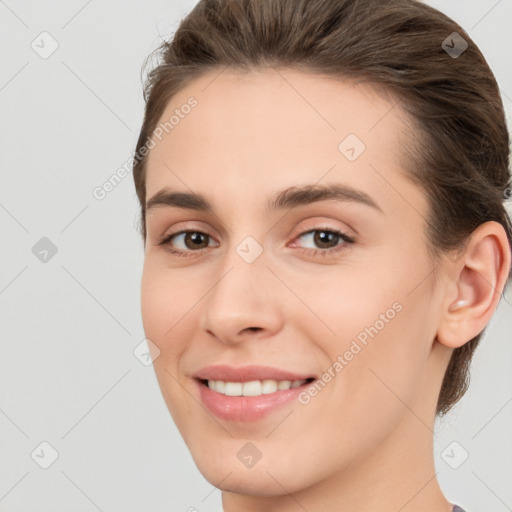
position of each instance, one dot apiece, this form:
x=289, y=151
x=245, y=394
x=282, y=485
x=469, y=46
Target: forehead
x=271, y=128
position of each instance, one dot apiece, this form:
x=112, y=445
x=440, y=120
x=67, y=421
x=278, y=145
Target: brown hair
x=460, y=153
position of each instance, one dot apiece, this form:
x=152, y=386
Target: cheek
x=388, y=370
x=379, y=333
x=154, y=303
x=165, y=304
x=164, y=307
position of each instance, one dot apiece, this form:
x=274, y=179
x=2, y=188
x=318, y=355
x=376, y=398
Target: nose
x=243, y=303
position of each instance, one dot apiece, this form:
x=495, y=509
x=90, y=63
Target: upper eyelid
x=311, y=225
x=341, y=231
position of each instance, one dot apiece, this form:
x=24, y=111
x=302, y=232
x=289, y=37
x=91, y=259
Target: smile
x=253, y=387
x=248, y=393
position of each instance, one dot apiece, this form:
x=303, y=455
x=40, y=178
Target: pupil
x=196, y=238
x=324, y=237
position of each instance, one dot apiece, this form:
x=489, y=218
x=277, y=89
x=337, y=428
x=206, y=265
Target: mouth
x=253, y=387
x=248, y=393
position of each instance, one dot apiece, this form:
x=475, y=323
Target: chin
x=254, y=481
x=269, y=476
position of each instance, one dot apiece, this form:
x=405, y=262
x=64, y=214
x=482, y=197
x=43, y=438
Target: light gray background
x=69, y=325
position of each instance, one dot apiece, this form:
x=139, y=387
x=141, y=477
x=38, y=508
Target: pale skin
x=364, y=443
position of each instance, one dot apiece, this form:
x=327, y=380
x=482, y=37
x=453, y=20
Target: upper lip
x=247, y=373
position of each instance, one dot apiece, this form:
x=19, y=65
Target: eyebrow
x=288, y=198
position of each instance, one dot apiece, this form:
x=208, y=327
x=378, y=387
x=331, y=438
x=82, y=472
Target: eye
x=196, y=241
x=187, y=239
x=329, y=241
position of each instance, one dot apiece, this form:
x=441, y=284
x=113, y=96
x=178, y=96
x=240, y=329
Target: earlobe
x=479, y=275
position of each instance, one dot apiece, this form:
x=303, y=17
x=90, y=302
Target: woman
x=322, y=190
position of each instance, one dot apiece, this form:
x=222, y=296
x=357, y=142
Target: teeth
x=268, y=386
x=284, y=384
x=253, y=387
x=233, y=388
x=220, y=385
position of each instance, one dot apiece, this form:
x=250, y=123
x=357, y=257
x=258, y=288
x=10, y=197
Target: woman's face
x=263, y=280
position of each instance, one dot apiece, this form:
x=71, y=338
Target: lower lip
x=246, y=408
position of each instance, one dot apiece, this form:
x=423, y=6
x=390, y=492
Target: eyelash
x=347, y=240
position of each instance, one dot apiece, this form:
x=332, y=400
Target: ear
x=477, y=280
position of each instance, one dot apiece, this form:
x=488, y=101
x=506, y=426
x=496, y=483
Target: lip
x=247, y=373
x=246, y=408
